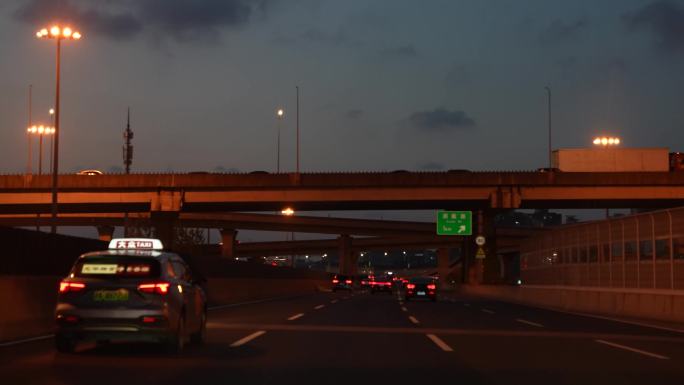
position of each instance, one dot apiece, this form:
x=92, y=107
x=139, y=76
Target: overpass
x=173, y=193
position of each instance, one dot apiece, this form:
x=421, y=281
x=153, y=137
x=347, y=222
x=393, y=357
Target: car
x=342, y=282
x=134, y=291
x=90, y=172
x=364, y=281
x=381, y=283
x=421, y=287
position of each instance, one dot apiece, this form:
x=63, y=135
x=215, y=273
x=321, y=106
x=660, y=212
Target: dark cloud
x=402, y=50
x=664, y=19
x=355, y=114
x=560, y=31
x=440, y=120
x=124, y=19
x=431, y=166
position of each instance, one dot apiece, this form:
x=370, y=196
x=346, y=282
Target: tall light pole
x=30, y=123
x=279, y=115
x=297, y=129
x=548, y=92
x=52, y=141
x=41, y=131
x=58, y=34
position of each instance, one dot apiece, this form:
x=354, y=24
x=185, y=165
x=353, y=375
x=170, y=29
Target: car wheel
x=65, y=344
x=199, y=337
x=176, y=342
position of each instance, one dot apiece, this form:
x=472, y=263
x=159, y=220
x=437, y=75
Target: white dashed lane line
x=634, y=350
x=319, y=307
x=403, y=308
x=487, y=311
x=414, y=320
x=530, y=323
x=296, y=316
x=250, y=337
x=438, y=341
x=334, y=301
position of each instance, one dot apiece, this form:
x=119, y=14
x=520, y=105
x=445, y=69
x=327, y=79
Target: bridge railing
x=644, y=251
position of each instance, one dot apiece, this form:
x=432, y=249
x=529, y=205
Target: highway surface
x=340, y=338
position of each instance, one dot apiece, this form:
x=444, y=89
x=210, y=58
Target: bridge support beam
x=348, y=258
x=490, y=267
x=228, y=242
x=443, y=266
x=164, y=227
x=105, y=233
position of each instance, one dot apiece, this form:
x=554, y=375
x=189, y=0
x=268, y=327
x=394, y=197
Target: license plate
x=421, y=293
x=110, y=295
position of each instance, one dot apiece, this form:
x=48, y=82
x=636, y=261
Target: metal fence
x=638, y=251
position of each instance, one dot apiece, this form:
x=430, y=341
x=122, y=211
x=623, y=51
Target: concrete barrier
x=28, y=303
x=653, y=304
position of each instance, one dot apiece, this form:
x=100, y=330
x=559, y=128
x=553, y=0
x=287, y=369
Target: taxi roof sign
x=135, y=244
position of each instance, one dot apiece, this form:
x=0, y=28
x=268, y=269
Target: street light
x=287, y=211
x=280, y=114
x=58, y=34
x=52, y=141
x=606, y=141
x=40, y=130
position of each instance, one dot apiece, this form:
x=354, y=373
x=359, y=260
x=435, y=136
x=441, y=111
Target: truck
x=617, y=159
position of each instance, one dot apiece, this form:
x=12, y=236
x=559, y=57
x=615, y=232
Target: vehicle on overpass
x=421, y=287
x=342, y=282
x=134, y=291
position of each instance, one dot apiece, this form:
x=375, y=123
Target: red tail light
x=431, y=286
x=348, y=281
x=155, y=288
x=65, y=287
x=336, y=281
x=410, y=286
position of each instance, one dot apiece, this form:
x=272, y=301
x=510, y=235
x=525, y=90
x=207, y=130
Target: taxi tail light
x=431, y=286
x=65, y=287
x=149, y=319
x=410, y=286
x=348, y=281
x=154, y=288
x=336, y=281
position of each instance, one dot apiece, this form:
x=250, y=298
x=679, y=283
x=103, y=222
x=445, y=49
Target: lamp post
x=41, y=131
x=52, y=142
x=58, y=34
x=548, y=92
x=279, y=115
x=297, y=130
x=288, y=212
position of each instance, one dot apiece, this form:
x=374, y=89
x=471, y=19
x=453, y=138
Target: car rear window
x=117, y=267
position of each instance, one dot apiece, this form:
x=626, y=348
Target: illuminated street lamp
x=52, y=142
x=287, y=211
x=40, y=130
x=58, y=34
x=606, y=141
x=280, y=114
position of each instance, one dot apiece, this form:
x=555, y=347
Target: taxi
x=134, y=291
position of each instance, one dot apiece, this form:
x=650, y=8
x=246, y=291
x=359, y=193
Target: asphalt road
x=338, y=338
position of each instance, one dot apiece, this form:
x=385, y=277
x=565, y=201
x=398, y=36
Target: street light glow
x=288, y=211
x=41, y=130
x=280, y=112
x=52, y=111
x=66, y=32
x=58, y=33
x=54, y=31
x=606, y=141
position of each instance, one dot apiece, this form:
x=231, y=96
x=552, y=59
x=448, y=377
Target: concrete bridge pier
x=105, y=233
x=348, y=258
x=228, y=242
x=443, y=265
x=164, y=227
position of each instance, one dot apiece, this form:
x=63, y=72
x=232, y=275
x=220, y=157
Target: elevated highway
x=30, y=194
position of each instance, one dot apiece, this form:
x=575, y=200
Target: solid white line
x=294, y=317
x=487, y=311
x=250, y=337
x=334, y=301
x=530, y=323
x=658, y=356
x=414, y=320
x=319, y=307
x=403, y=308
x=25, y=340
x=438, y=341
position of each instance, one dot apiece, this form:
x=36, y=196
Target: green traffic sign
x=454, y=223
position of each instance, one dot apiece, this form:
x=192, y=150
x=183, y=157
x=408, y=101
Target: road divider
x=438, y=341
x=634, y=350
x=250, y=337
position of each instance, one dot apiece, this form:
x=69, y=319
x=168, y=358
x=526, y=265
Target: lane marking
x=236, y=304
x=25, y=340
x=487, y=311
x=466, y=304
x=250, y=337
x=635, y=350
x=414, y=320
x=296, y=316
x=334, y=301
x=319, y=307
x=530, y=323
x=400, y=303
x=403, y=308
x=438, y=341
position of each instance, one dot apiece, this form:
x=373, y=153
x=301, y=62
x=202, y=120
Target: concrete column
x=105, y=233
x=228, y=242
x=345, y=253
x=491, y=266
x=443, y=266
x=164, y=227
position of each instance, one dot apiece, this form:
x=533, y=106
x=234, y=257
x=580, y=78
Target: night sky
x=385, y=84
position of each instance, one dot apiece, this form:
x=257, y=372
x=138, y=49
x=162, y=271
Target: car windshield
x=116, y=267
